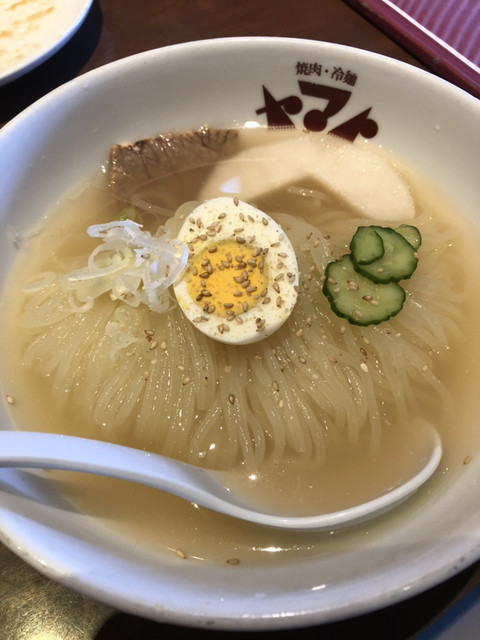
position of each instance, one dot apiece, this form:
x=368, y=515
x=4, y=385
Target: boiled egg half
x=241, y=279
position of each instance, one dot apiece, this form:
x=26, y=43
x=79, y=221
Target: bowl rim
x=184, y=47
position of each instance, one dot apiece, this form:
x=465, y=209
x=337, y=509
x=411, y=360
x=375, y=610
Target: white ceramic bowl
x=57, y=141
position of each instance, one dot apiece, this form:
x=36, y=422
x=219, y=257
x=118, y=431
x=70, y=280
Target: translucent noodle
x=316, y=383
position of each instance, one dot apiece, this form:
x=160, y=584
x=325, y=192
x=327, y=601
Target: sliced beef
x=133, y=165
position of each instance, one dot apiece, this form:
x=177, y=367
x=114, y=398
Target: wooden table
x=32, y=606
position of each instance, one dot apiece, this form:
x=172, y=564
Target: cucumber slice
x=398, y=262
x=411, y=234
x=357, y=298
x=366, y=245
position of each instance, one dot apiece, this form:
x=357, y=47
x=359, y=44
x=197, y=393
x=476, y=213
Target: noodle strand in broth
x=317, y=382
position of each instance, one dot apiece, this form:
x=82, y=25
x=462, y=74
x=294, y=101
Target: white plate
x=32, y=32
x=54, y=144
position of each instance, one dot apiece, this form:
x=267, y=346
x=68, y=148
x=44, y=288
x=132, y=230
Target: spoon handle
x=26, y=449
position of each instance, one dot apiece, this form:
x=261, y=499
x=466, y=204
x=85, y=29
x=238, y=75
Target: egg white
x=259, y=251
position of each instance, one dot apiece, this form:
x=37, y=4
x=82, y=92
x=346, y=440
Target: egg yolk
x=228, y=278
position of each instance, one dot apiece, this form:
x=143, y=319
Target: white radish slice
x=363, y=178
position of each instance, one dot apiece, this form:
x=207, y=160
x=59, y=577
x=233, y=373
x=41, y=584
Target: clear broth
x=159, y=522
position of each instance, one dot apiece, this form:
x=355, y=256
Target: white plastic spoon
x=25, y=449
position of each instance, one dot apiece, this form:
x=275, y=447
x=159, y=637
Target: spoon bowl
x=26, y=449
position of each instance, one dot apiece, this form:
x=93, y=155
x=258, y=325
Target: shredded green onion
x=131, y=265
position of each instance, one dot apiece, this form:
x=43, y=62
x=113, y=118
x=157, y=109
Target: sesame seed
x=240, y=240
x=231, y=398
x=467, y=459
x=10, y=399
x=153, y=345
x=275, y=385
x=233, y=562
x=364, y=367
x=180, y=553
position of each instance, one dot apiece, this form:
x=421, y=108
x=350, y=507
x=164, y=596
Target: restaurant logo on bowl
x=332, y=95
